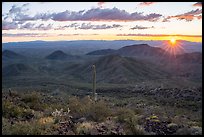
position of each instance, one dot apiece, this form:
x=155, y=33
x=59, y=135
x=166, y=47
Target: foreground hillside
x=116, y=112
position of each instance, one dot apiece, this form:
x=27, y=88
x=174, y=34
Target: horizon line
x=92, y=40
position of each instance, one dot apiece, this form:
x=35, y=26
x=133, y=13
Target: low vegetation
x=41, y=113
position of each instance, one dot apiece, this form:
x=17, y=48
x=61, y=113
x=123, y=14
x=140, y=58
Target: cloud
x=39, y=16
x=27, y=26
x=9, y=25
x=97, y=27
x=146, y=3
x=33, y=26
x=18, y=11
x=44, y=27
x=25, y=35
x=73, y=25
x=188, y=16
x=97, y=14
x=94, y=14
x=41, y=35
x=158, y=35
x=87, y=26
x=100, y=4
x=20, y=14
x=141, y=27
x=76, y=34
x=198, y=4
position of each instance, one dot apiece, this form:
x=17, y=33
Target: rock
x=29, y=116
x=172, y=128
x=183, y=131
x=195, y=130
x=114, y=133
x=81, y=120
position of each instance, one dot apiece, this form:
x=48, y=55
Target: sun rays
x=173, y=47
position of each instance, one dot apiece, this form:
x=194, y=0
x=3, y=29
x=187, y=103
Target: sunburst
x=173, y=41
x=173, y=47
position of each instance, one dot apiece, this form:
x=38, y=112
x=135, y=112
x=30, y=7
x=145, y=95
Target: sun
x=173, y=41
x=173, y=46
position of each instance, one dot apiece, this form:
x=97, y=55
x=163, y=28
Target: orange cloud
x=189, y=16
x=100, y=4
x=158, y=35
x=146, y=3
x=198, y=4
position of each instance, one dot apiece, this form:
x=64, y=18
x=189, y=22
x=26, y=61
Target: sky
x=52, y=21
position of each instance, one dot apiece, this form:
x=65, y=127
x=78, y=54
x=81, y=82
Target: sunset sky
x=51, y=21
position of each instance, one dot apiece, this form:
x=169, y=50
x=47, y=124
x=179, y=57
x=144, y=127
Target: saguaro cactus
x=94, y=82
x=10, y=94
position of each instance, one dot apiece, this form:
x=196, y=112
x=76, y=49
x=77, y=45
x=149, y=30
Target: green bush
x=27, y=128
x=33, y=97
x=124, y=114
x=128, y=117
x=99, y=111
x=11, y=110
x=77, y=107
x=85, y=107
x=34, y=101
x=135, y=129
x=84, y=128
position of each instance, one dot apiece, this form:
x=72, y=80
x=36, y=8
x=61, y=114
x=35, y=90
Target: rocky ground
x=157, y=111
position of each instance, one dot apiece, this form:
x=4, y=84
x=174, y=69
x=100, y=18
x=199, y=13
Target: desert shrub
x=13, y=93
x=5, y=126
x=99, y=111
x=85, y=107
x=61, y=115
x=128, y=117
x=28, y=128
x=33, y=97
x=124, y=114
x=78, y=109
x=136, y=130
x=11, y=110
x=84, y=128
x=138, y=111
x=37, y=106
x=23, y=128
x=33, y=100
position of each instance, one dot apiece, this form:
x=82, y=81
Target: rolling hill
x=195, y=57
x=136, y=50
x=140, y=50
x=117, y=69
x=60, y=55
x=8, y=54
x=102, y=52
x=16, y=70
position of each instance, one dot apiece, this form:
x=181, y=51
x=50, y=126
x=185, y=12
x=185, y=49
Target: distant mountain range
x=81, y=47
x=143, y=50
x=128, y=64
